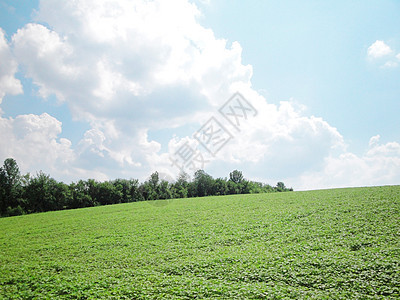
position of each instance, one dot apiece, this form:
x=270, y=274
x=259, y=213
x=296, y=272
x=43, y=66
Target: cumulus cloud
x=379, y=49
x=133, y=67
x=382, y=54
x=45, y=57
x=380, y=165
x=277, y=141
x=35, y=142
x=8, y=67
x=282, y=140
x=127, y=67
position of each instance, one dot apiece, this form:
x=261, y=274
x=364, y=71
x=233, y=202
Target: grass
x=342, y=244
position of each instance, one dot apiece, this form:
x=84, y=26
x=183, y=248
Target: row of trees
x=22, y=194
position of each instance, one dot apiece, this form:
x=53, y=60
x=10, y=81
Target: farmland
x=339, y=243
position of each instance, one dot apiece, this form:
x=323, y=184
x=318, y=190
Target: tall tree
x=233, y=187
x=220, y=187
x=203, y=183
x=80, y=195
x=280, y=187
x=181, y=185
x=164, y=190
x=10, y=186
x=154, y=180
x=107, y=193
x=134, y=192
x=236, y=176
x=40, y=194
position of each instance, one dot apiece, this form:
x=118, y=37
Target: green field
x=341, y=244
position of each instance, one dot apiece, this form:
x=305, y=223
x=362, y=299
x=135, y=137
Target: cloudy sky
x=118, y=89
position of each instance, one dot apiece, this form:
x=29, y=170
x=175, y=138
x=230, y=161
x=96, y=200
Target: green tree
x=147, y=191
x=245, y=186
x=154, y=180
x=62, y=194
x=164, y=190
x=40, y=194
x=203, y=183
x=80, y=195
x=127, y=189
x=180, y=188
x=220, y=187
x=233, y=187
x=107, y=193
x=134, y=192
x=150, y=189
x=4, y=198
x=268, y=188
x=236, y=176
x=280, y=187
x=255, y=187
x=92, y=189
x=235, y=182
x=10, y=186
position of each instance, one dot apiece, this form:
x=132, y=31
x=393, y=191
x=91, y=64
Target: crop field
x=340, y=243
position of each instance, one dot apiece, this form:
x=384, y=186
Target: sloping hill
x=342, y=243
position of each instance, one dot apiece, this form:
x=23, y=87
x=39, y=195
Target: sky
x=304, y=92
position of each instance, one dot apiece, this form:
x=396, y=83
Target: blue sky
x=315, y=52
x=107, y=89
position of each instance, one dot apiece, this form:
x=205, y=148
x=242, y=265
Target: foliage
x=10, y=186
x=26, y=194
x=203, y=183
x=40, y=194
x=328, y=244
x=236, y=176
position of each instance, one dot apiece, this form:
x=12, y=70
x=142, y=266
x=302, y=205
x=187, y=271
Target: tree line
x=24, y=194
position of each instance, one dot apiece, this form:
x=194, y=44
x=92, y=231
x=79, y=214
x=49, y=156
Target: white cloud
x=379, y=52
x=278, y=141
x=284, y=139
x=131, y=67
x=379, y=49
x=374, y=140
x=33, y=140
x=380, y=165
x=8, y=67
x=45, y=57
x=390, y=64
x=127, y=67
x=94, y=141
